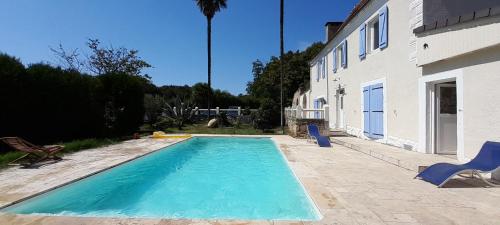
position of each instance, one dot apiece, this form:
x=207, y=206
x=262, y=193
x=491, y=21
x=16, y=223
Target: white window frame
x=318, y=71
x=370, y=35
x=339, y=57
x=384, y=93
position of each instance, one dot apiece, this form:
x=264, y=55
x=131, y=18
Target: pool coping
x=86, y=176
x=317, y=209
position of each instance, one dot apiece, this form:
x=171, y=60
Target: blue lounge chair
x=487, y=161
x=314, y=135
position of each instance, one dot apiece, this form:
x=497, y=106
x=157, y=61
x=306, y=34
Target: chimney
x=331, y=28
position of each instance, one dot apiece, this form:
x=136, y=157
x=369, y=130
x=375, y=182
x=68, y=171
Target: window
x=340, y=53
x=344, y=54
x=374, y=34
x=335, y=60
x=318, y=70
x=323, y=67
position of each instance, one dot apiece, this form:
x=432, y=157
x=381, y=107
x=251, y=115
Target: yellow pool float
x=163, y=135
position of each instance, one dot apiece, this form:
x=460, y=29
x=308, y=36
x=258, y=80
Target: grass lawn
x=69, y=147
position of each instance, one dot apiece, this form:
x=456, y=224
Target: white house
x=418, y=74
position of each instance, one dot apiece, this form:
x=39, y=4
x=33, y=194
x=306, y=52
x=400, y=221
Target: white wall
x=395, y=64
x=457, y=40
x=318, y=88
x=481, y=104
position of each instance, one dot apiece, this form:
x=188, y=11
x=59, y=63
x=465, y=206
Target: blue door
x=373, y=111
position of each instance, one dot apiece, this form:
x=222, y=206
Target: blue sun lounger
x=486, y=161
x=314, y=135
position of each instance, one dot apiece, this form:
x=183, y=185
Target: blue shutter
x=335, y=60
x=366, y=110
x=362, y=42
x=383, y=27
x=377, y=111
x=344, y=54
x=373, y=111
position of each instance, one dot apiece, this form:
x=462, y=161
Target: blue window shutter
x=362, y=41
x=383, y=27
x=335, y=60
x=366, y=111
x=373, y=111
x=377, y=111
x=344, y=54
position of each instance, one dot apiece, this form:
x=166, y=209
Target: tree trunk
x=209, y=48
x=282, y=52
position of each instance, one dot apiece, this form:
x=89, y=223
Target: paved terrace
x=397, y=156
x=348, y=186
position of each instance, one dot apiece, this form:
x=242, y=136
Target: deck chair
x=34, y=153
x=486, y=161
x=314, y=135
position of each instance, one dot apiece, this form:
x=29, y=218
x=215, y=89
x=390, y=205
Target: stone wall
x=297, y=128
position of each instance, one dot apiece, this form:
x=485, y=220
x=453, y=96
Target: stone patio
x=348, y=186
x=397, y=156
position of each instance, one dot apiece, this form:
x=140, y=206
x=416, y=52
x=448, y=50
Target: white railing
x=300, y=113
x=217, y=111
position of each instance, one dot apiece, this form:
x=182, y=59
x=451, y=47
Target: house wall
x=318, y=87
x=470, y=48
x=481, y=114
x=458, y=39
x=395, y=65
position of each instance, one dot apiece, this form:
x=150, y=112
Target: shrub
x=267, y=115
x=47, y=104
x=163, y=124
x=124, y=98
x=153, y=107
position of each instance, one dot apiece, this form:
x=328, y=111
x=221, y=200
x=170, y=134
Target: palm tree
x=209, y=8
x=282, y=52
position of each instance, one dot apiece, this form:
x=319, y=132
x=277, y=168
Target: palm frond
x=210, y=7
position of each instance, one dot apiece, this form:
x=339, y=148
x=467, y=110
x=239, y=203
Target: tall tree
x=282, y=52
x=102, y=60
x=209, y=8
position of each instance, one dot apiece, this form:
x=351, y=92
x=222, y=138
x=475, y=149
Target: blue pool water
x=202, y=178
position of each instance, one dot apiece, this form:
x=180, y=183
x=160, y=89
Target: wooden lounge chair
x=34, y=153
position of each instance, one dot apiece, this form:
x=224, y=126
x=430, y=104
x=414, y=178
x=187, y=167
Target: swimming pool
x=201, y=178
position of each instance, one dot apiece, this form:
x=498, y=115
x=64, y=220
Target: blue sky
x=170, y=34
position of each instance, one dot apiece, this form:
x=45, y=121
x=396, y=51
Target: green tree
x=124, y=103
x=153, y=107
x=267, y=78
x=209, y=8
x=199, y=94
x=102, y=60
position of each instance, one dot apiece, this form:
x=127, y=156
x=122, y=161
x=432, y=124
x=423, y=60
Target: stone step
x=338, y=133
x=409, y=160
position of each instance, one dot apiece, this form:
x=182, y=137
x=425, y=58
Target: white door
x=446, y=118
x=340, y=111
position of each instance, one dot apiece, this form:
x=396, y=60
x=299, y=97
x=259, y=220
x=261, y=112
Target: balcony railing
x=300, y=113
